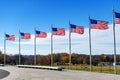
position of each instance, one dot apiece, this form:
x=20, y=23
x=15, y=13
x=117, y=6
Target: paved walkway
x=38, y=74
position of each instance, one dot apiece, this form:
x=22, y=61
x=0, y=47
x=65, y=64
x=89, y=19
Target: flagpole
x=35, y=47
x=19, y=49
x=4, y=49
x=51, y=47
x=90, y=45
x=69, y=46
x=115, y=68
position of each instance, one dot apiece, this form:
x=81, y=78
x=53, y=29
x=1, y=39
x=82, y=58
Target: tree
x=103, y=57
x=74, y=58
x=65, y=59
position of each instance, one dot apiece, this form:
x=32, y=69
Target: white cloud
x=102, y=42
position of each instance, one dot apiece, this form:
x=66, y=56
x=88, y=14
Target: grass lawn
x=102, y=69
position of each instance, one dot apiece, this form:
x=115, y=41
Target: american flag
x=25, y=35
x=58, y=31
x=76, y=29
x=9, y=37
x=40, y=34
x=117, y=18
x=98, y=24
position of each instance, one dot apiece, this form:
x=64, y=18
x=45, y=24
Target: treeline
x=58, y=59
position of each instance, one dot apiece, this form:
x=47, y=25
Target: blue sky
x=24, y=15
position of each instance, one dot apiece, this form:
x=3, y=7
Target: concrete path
x=38, y=74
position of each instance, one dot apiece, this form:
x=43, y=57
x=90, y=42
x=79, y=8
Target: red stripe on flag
x=78, y=29
x=59, y=32
x=26, y=36
x=12, y=38
x=73, y=30
x=117, y=20
x=41, y=35
x=102, y=25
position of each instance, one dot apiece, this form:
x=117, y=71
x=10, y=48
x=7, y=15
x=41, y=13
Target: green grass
x=101, y=69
